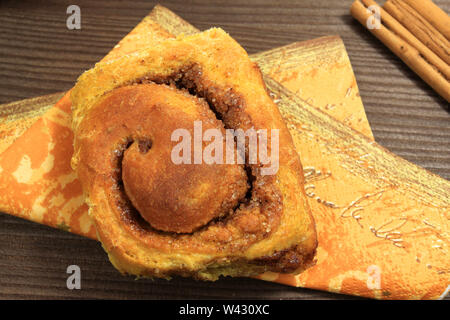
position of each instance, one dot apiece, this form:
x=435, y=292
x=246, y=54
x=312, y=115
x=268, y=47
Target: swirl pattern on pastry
x=158, y=218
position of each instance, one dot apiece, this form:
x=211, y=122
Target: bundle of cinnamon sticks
x=417, y=31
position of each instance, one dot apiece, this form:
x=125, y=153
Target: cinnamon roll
x=161, y=208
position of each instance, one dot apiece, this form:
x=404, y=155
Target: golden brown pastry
x=158, y=217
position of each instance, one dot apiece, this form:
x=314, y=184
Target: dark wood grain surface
x=39, y=55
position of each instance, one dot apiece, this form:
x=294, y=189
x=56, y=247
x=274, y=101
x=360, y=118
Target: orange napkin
x=38, y=184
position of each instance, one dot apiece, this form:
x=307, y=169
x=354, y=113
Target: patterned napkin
x=38, y=184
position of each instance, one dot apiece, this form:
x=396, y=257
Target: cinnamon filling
x=231, y=204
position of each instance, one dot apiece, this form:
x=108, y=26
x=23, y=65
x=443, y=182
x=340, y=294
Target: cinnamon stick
x=420, y=27
x=394, y=39
x=397, y=28
x=434, y=15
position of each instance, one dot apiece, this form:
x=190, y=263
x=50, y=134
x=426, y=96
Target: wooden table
x=39, y=55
